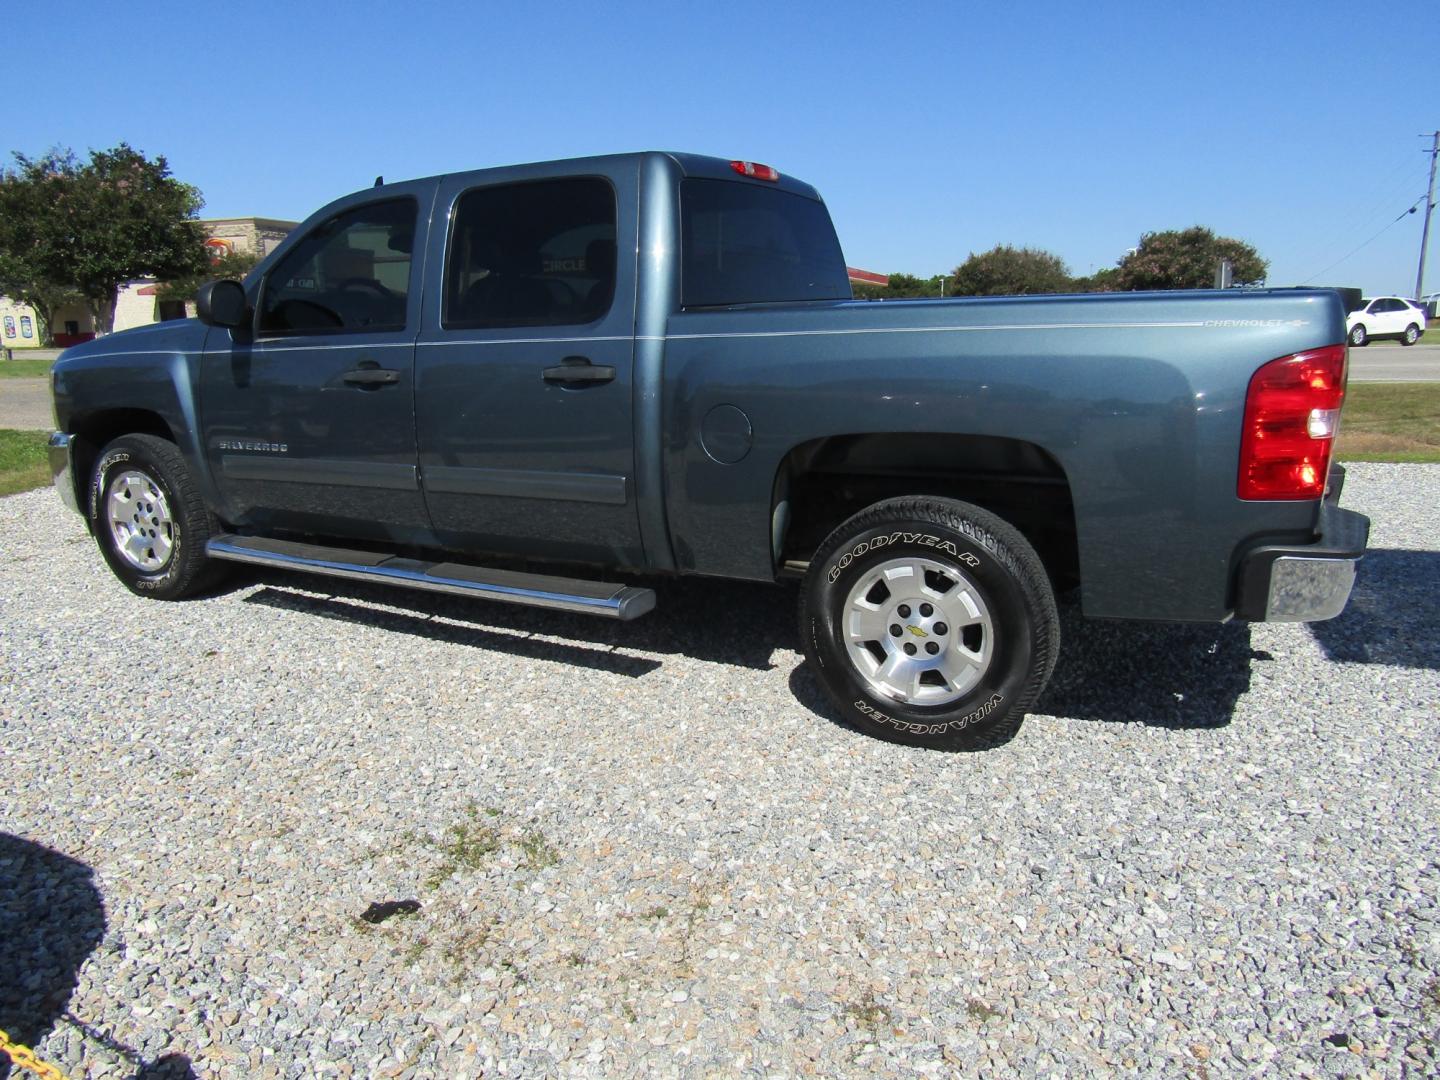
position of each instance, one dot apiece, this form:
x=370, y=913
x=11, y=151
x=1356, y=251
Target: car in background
x=1391, y=317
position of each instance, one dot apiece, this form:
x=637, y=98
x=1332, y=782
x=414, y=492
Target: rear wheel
x=1412, y=335
x=1358, y=337
x=149, y=518
x=929, y=620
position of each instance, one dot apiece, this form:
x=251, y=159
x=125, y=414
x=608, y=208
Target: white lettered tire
x=929, y=621
x=149, y=519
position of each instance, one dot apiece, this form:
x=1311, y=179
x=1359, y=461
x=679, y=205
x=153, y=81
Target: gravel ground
x=650, y=850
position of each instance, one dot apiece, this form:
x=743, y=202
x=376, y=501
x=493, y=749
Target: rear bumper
x=1305, y=582
x=62, y=468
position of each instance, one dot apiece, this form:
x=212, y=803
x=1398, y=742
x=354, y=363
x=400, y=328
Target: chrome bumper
x=1308, y=582
x=62, y=468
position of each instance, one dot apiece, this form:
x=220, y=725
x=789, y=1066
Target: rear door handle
x=578, y=371
x=371, y=376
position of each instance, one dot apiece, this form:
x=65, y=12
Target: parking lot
x=651, y=849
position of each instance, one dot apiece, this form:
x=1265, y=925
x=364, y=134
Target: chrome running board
x=604, y=598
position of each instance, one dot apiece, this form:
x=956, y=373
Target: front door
x=523, y=368
x=308, y=421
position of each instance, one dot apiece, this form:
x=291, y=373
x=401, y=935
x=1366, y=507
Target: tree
x=1186, y=259
x=92, y=227
x=27, y=270
x=1106, y=279
x=1010, y=271
x=901, y=287
x=233, y=265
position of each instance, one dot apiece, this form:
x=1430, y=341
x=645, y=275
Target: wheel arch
x=821, y=482
x=91, y=432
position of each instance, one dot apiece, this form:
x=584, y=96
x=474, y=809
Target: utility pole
x=1429, y=205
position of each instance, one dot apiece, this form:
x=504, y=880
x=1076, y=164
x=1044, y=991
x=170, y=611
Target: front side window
x=348, y=275
x=748, y=244
x=531, y=254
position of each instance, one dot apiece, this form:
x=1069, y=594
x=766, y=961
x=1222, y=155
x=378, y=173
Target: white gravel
x=647, y=849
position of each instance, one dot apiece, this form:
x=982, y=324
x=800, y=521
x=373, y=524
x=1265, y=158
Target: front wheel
x=929, y=620
x=1412, y=335
x=149, y=518
x=1358, y=337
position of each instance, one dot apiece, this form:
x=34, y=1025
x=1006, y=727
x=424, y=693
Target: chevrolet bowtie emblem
x=917, y=631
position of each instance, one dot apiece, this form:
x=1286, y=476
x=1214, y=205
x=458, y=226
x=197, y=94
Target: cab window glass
x=533, y=254
x=349, y=275
x=744, y=243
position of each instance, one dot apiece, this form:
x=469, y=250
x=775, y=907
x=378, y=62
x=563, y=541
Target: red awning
x=866, y=277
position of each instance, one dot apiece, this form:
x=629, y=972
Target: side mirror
x=221, y=303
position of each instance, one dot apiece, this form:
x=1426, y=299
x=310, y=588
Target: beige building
x=138, y=303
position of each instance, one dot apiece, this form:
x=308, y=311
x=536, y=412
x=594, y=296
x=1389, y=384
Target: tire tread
x=196, y=573
x=1007, y=546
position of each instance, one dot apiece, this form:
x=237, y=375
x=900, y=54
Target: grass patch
x=1390, y=422
x=466, y=845
x=537, y=851
x=24, y=461
x=869, y=1014
x=28, y=368
x=1430, y=997
x=981, y=1011
x=466, y=943
x=469, y=844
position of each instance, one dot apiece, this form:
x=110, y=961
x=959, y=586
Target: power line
x=1392, y=192
x=1408, y=210
x=1363, y=222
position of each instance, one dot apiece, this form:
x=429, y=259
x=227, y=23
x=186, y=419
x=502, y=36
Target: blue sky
x=931, y=130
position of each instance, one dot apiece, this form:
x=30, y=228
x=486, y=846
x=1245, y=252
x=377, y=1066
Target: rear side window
x=350, y=274
x=533, y=254
x=749, y=244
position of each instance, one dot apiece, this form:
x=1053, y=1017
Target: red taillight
x=754, y=170
x=1291, y=411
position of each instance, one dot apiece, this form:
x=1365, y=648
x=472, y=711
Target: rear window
x=748, y=244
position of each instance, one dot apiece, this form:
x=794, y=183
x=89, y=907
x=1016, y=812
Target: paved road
x=25, y=404
x=1395, y=363
x=33, y=354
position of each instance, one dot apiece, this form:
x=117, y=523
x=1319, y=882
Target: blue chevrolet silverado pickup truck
x=547, y=384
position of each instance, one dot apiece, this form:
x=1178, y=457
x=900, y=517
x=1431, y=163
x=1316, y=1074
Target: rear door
x=1391, y=316
x=308, y=421
x=524, y=367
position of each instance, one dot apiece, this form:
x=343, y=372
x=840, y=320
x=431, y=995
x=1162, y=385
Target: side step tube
x=603, y=598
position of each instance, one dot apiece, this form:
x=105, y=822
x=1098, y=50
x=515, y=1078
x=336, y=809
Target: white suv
x=1386, y=317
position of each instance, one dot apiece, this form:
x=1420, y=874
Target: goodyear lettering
x=110, y=459
x=973, y=717
x=885, y=540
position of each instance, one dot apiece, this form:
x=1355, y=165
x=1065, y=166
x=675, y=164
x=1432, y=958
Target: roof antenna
x=379, y=181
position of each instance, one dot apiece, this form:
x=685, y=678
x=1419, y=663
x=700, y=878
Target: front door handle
x=371, y=376
x=578, y=371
